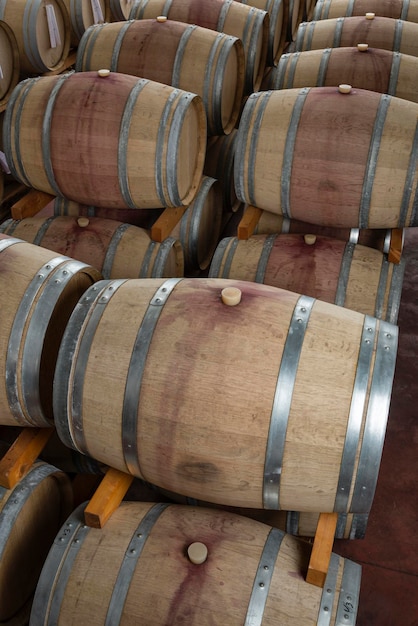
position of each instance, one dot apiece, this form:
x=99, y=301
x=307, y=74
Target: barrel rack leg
x=166, y=222
x=22, y=454
x=322, y=549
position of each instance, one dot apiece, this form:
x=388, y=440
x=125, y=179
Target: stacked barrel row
x=171, y=381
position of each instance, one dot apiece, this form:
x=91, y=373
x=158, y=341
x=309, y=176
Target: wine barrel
x=182, y=55
x=42, y=32
x=195, y=555
x=83, y=14
x=31, y=515
x=380, y=239
x=380, y=32
x=39, y=291
x=210, y=406
x=329, y=158
x=278, y=15
x=247, y=23
x=116, y=141
x=116, y=249
x=378, y=70
x=345, y=274
x=296, y=12
x=219, y=163
x=396, y=9
x=9, y=63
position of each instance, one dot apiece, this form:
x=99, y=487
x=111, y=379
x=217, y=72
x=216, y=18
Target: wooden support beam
x=248, y=222
x=107, y=497
x=322, y=549
x=396, y=245
x=30, y=204
x=166, y=222
x=22, y=454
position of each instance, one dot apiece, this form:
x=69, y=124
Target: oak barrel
x=116, y=249
x=39, y=290
x=31, y=515
x=186, y=56
x=236, y=405
x=84, y=13
x=195, y=555
x=9, y=62
x=116, y=141
x=375, y=69
x=219, y=163
x=397, y=9
x=247, y=23
x=380, y=32
x=346, y=274
x=42, y=32
x=330, y=158
x=278, y=15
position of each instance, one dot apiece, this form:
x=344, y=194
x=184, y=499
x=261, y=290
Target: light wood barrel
x=85, y=13
x=278, y=14
x=295, y=17
x=138, y=143
x=211, y=388
x=380, y=239
x=381, y=32
x=219, y=163
x=31, y=515
x=116, y=249
x=42, y=32
x=9, y=62
x=378, y=70
x=345, y=274
x=247, y=572
x=119, y=10
x=247, y=23
x=334, y=159
x=396, y=9
x=40, y=289
x=186, y=56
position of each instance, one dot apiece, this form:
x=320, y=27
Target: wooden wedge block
x=107, y=497
x=30, y=204
x=166, y=222
x=396, y=245
x=22, y=454
x=248, y=222
x=321, y=549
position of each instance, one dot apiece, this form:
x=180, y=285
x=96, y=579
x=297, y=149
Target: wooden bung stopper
x=197, y=552
x=362, y=47
x=344, y=88
x=370, y=16
x=231, y=296
x=162, y=18
x=103, y=73
x=83, y=221
x=310, y=239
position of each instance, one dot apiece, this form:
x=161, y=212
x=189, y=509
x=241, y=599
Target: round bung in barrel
x=118, y=142
x=137, y=342
x=40, y=289
x=144, y=542
x=186, y=56
x=31, y=514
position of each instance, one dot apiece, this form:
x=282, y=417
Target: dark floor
x=389, y=552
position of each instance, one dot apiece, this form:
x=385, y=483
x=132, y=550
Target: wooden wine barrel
x=186, y=56
x=228, y=395
x=329, y=158
x=247, y=23
x=42, y=32
x=380, y=239
x=380, y=32
x=396, y=9
x=278, y=15
x=199, y=229
x=346, y=274
x=116, y=249
x=377, y=70
x=31, y=515
x=296, y=12
x=138, y=143
x=9, y=63
x=195, y=555
x=40, y=289
x=85, y=13
x=219, y=163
